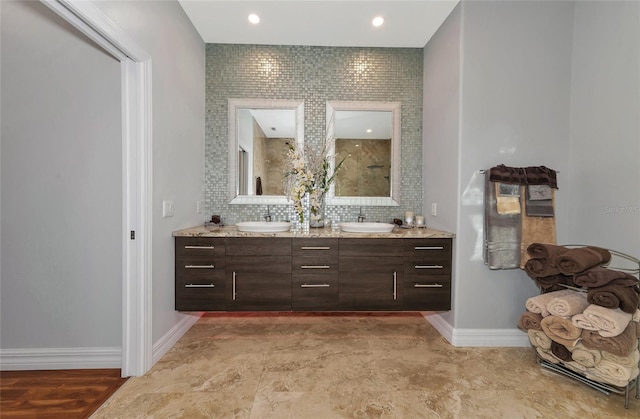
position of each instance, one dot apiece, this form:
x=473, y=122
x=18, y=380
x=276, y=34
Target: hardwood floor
x=57, y=393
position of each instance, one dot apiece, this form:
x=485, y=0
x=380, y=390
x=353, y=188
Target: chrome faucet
x=267, y=216
x=361, y=216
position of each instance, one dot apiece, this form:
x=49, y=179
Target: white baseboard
x=479, y=337
x=60, y=358
x=167, y=341
x=86, y=358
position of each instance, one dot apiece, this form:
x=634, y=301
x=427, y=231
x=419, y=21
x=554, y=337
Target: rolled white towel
x=612, y=373
x=609, y=322
x=539, y=339
x=568, y=305
x=587, y=357
x=579, y=320
x=575, y=366
x=538, y=304
x=547, y=355
x=629, y=361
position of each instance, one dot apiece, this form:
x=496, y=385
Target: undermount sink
x=264, y=226
x=367, y=227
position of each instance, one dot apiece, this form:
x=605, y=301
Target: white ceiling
x=408, y=24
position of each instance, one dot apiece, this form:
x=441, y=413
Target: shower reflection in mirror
x=366, y=136
x=260, y=133
x=264, y=136
x=363, y=141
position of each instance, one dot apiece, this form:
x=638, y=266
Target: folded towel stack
x=570, y=328
x=552, y=266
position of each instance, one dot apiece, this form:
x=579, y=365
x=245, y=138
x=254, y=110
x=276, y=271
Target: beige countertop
x=232, y=231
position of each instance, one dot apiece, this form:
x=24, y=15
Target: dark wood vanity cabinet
x=314, y=279
x=427, y=274
x=258, y=272
x=371, y=273
x=312, y=274
x=200, y=274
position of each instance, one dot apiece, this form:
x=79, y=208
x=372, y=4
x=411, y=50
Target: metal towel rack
x=601, y=387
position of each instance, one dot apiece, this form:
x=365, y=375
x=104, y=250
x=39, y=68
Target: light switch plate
x=199, y=205
x=167, y=209
x=434, y=209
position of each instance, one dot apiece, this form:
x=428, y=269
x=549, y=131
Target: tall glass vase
x=317, y=210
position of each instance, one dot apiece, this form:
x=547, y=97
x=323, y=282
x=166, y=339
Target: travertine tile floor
x=347, y=365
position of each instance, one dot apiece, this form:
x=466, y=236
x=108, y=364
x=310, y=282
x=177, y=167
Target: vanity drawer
x=260, y=246
x=419, y=266
x=315, y=291
x=193, y=270
x=201, y=293
x=304, y=250
x=190, y=266
x=428, y=249
x=370, y=248
x=427, y=292
x=199, y=248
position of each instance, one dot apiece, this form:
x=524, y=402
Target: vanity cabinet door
x=259, y=274
x=200, y=274
x=371, y=273
x=427, y=274
x=314, y=274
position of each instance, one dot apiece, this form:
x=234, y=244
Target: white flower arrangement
x=309, y=173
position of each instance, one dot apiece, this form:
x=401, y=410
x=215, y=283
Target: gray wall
x=61, y=185
x=441, y=108
x=62, y=171
x=605, y=126
x=163, y=30
x=514, y=109
x=315, y=75
x=566, y=97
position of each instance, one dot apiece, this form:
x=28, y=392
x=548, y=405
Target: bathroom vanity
x=322, y=270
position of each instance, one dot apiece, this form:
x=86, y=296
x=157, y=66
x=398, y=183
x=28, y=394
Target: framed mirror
x=260, y=132
x=367, y=140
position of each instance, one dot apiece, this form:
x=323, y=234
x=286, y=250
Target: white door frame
x=137, y=345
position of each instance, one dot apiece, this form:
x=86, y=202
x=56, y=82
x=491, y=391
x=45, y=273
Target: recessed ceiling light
x=369, y=130
x=254, y=18
x=377, y=21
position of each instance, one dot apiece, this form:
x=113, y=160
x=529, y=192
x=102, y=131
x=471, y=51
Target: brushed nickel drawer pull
x=199, y=266
x=428, y=286
x=428, y=266
x=200, y=247
x=315, y=248
x=199, y=286
x=315, y=267
x=233, y=286
x=428, y=247
x=315, y=286
x=395, y=286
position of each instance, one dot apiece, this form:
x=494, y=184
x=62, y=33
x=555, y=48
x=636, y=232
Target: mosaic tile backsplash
x=315, y=75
